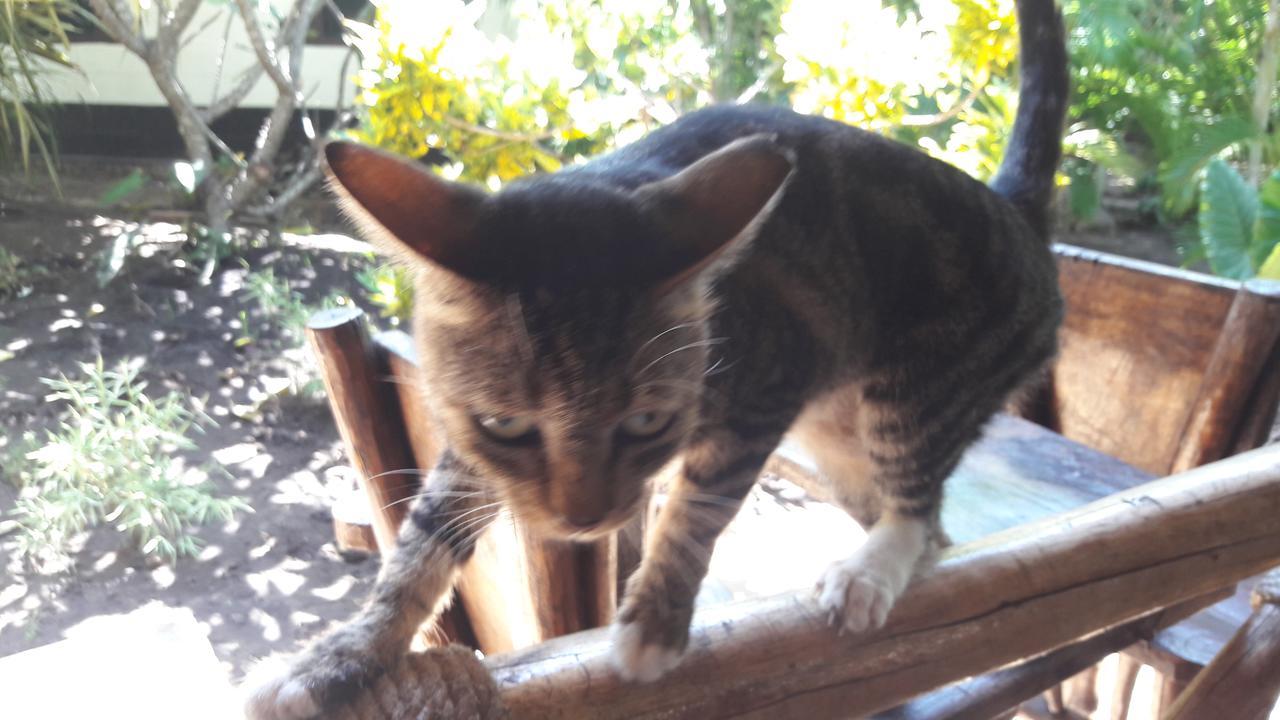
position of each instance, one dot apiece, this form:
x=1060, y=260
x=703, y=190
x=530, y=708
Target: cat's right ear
x=402, y=208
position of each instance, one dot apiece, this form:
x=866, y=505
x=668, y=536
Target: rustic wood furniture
x=1161, y=368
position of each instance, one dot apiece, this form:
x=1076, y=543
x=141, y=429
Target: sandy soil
x=264, y=581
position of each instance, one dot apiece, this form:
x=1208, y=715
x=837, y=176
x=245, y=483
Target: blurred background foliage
x=1160, y=87
x=33, y=37
x=489, y=91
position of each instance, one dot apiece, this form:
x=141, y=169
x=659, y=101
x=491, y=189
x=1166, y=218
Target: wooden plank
x=1244, y=345
x=1243, y=681
x=1034, y=588
x=1139, y=331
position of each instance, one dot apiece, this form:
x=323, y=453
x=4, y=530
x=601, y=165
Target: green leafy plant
x=1239, y=226
x=33, y=37
x=16, y=274
x=111, y=459
x=281, y=309
x=390, y=287
x=1169, y=83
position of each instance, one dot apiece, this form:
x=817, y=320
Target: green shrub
x=111, y=459
x=281, y=309
x=390, y=287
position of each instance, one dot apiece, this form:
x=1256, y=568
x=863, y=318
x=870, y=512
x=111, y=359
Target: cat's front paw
x=319, y=680
x=855, y=597
x=649, y=637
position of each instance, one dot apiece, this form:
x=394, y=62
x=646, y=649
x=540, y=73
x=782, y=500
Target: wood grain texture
x=1243, y=681
x=1137, y=341
x=367, y=414
x=1242, y=350
x=1034, y=588
x=990, y=695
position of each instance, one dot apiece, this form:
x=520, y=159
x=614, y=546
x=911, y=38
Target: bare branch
x=116, y=20
x=265, y=50
x=178, y=20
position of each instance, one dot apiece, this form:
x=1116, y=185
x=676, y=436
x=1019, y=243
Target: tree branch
x=265, y=49
x=113, y=16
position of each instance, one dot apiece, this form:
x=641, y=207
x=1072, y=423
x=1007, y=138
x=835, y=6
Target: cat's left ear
x=403, y=208
x=716, y=204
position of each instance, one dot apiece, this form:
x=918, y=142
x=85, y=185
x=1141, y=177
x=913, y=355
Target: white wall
x=111, y=75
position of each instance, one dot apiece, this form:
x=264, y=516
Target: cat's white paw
x=273, y=692
x=637, y=660
x=856, y=598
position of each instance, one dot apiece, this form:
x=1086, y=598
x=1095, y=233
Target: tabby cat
x=743, y=274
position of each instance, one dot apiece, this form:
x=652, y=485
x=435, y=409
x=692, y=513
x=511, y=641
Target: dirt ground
x=269, y=579
x=264, y=581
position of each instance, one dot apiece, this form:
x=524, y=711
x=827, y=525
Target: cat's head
x=561, y=323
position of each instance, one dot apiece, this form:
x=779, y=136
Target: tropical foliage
x=1239, y=226
x=112, y=459
x=492, y=95
x=33, y=38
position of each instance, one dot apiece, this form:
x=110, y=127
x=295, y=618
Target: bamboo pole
x=1013, y=595
x=1243, y=681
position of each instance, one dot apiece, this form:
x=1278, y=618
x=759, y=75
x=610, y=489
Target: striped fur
x=753, y=273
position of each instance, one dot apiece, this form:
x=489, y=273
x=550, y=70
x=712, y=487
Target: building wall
x=111, y=106
x=111, y=75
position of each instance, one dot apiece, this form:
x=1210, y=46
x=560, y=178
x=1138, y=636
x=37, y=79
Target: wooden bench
x=1161, y=368
x=1165, y=369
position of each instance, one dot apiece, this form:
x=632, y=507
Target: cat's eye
x=645, y=423
x=508, y=428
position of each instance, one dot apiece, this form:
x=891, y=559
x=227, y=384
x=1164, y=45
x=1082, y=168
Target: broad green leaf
x=1271, y=266
x=1228, y=209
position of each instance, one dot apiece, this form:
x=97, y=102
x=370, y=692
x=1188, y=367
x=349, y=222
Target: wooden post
x=1243, y=681
x=1122, y=691
x=990, y=602
x=372, y=429
x=365, y=411
x=1242, y=351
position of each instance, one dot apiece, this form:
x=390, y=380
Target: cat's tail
x=1026, y=174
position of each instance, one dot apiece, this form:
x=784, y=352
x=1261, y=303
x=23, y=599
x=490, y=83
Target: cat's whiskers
x=659, y=336
x=707, y=342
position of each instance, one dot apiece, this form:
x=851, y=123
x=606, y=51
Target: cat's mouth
x=553, y=525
